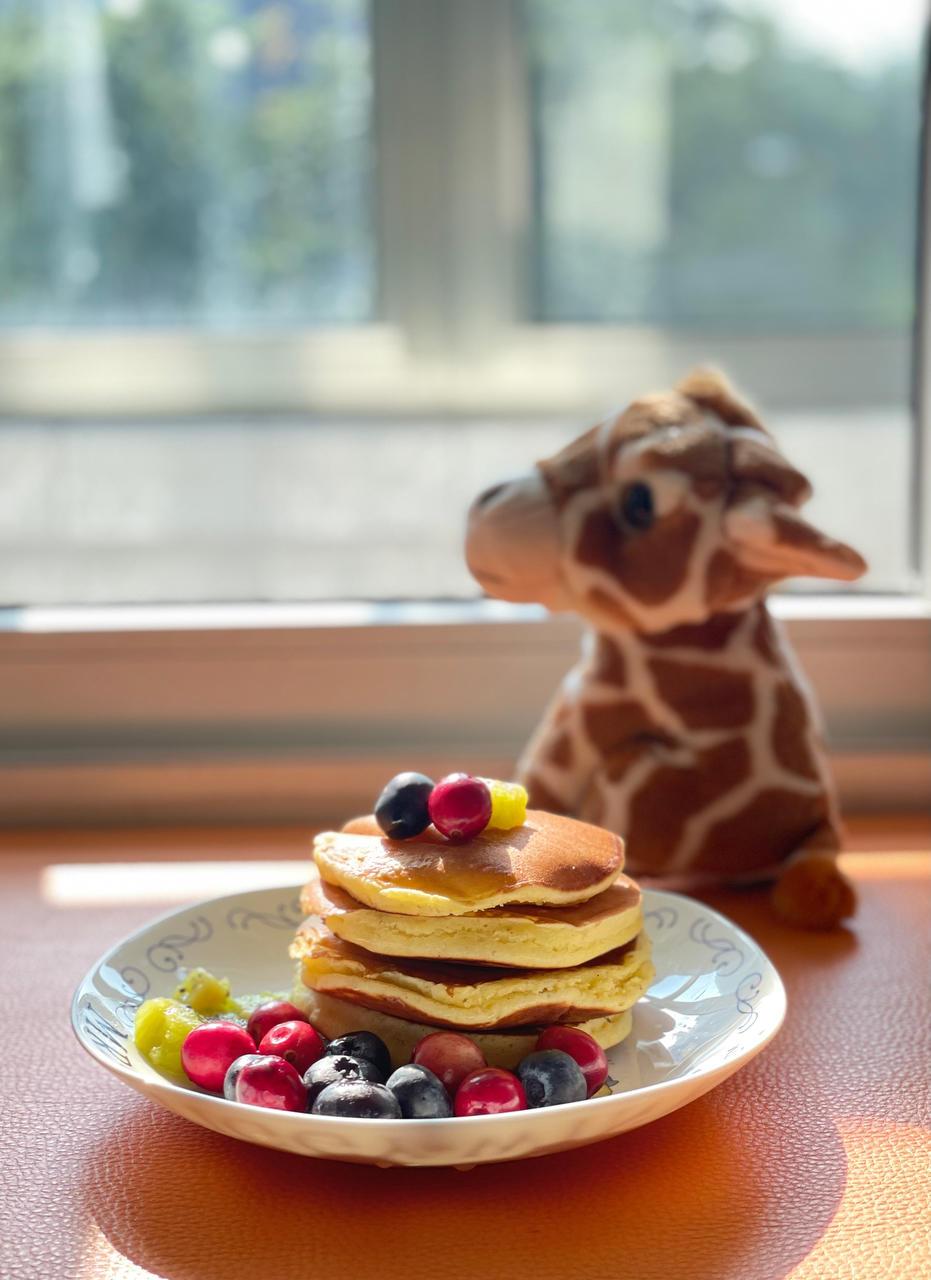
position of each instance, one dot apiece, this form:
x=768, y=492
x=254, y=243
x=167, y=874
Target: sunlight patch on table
x=909, y=865
x=104, y=1262
x=101, y=884
x=883, y=1211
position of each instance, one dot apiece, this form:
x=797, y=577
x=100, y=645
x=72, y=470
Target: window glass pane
x=166, y=161
x=717, y=172
x=751, y=164
x=268, y=510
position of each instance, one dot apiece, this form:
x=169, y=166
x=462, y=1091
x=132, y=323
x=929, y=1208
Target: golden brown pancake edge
x=548, y=860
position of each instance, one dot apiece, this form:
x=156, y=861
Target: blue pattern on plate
x=167, y=955
x=287, y=915
x=726, y=957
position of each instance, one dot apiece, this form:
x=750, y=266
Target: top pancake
x=548, y=860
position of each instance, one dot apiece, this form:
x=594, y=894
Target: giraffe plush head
x=679, y=508
x=685, y=726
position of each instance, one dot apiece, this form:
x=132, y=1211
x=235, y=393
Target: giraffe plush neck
x=685, y=726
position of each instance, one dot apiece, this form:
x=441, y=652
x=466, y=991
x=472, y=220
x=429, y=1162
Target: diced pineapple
x=161, y=1025
x=204, y=993
x=508, y=804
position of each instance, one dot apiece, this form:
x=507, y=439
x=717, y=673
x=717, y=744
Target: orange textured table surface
x=811, y=1161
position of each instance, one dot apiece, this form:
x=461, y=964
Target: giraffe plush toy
x=685, y=726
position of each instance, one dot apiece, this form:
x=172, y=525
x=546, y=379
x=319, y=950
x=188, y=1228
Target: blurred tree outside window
x=697, y=167
x=165, y=161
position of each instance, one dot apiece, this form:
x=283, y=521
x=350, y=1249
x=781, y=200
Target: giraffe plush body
x=686, y=726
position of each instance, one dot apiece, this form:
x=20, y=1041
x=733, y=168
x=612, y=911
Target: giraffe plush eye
x=636, y=506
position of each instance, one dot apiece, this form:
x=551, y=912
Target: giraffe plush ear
x=573, y=467
x=711, y=389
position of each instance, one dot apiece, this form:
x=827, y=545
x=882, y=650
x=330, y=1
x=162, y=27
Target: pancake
x=547, y=861
x=334, y=1017
x=464, y=996
x=522, y=936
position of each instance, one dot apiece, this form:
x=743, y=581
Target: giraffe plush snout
x=512, y=543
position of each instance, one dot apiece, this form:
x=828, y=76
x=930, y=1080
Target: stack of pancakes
x=496, y=937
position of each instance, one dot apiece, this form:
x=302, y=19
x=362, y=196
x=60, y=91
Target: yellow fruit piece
x=508, y=804
x=204, y=993
x=161, y=1026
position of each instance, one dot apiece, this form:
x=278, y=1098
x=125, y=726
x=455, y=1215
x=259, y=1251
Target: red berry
x=489, y=1091
x=586, y=1050
x=450, y=1055
x=297, y=1042
x=460, y=806
x=208, y=1051
x=269, y=1013
x=263, y=1080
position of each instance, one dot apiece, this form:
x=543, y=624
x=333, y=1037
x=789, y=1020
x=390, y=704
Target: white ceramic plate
x=715, y=1003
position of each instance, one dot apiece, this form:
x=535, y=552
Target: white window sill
x=301, y=712
x=338, y=614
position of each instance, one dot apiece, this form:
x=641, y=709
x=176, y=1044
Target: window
x=284, y=283
x=349, y=264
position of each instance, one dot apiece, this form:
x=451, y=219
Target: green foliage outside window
x=789, y=188
x=164, y=160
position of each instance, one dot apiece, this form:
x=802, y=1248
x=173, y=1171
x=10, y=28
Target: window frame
x=229, y=713
x=239, y=713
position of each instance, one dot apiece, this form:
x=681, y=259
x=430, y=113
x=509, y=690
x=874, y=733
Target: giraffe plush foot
x=813, y=893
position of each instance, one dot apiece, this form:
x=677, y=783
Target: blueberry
x=330, y=1069
x=420, y=1093
x=367, y=1045
x=550, y=1077
x=402, y=808
x=363, y=1099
